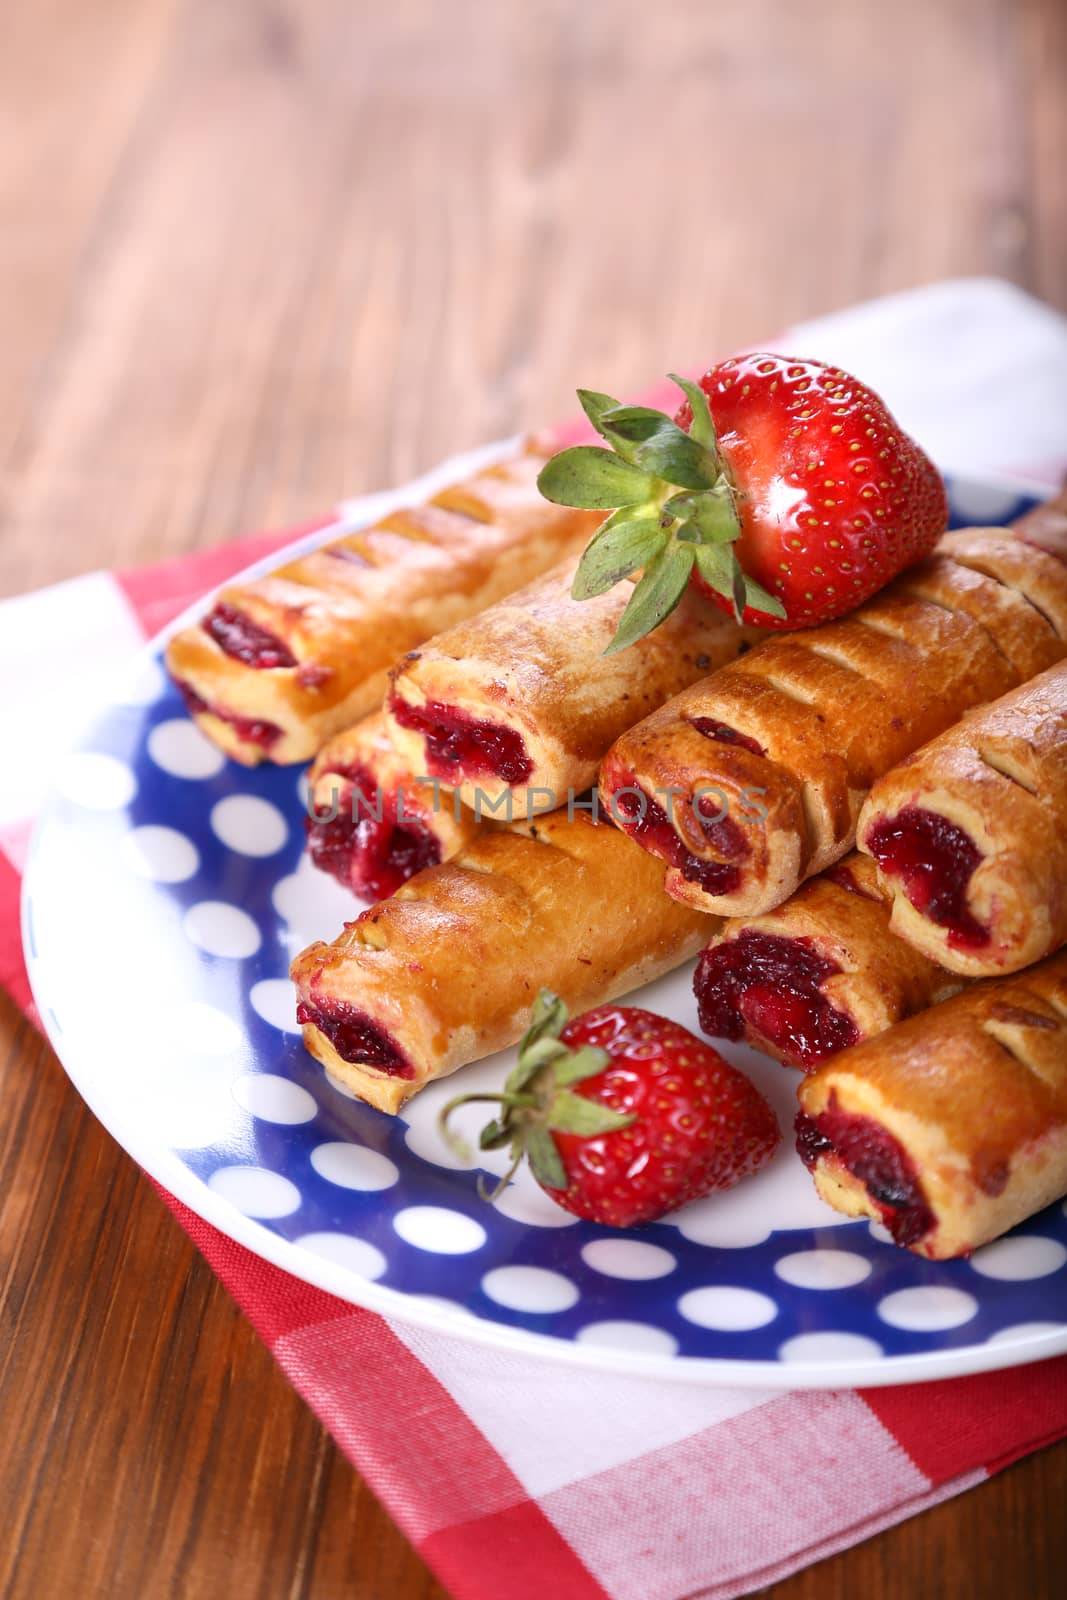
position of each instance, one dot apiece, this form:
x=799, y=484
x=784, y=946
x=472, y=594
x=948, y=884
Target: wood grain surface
x=258, y=254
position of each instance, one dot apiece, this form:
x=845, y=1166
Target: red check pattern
x=605, y=1488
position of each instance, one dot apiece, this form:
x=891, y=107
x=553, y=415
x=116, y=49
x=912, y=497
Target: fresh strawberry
x=783, y=489
x=624, y=1115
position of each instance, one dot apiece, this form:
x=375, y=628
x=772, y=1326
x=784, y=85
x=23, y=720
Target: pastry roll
x=752, y=780
x=951, y=1127
x=520, y=704
x=820, y=973
x=371, y=823
x=970, y=834
x=447, y=970
x=283, y=662
x=1046, y=526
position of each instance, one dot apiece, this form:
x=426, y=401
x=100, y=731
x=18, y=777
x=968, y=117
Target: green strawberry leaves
x=593, y=479
x=538, y=1098
x=654, y=527
x=656, y=593
x=626, y=541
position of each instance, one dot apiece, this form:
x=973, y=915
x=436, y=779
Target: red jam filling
x=935, y=860
x=845, y=878
x=712, y=728
x=371, y=846
x=771, y=985
x=245, y=640
x=249, y=729
x=459, y=746
x=355, y=1037
x=646, y=822
x=879, y=1161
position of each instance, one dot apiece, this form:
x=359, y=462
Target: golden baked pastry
x=447, y=970
x=1046, y=526
x=522, y=702
x=818, y=974
x=283, y=662
x=752, y=780
x=371, y=823
x=951, y=1127
x=970, y=834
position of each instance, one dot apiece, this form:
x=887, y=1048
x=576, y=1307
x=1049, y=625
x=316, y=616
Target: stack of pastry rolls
x=738, y=772
x=504, y=719
x=946, y=764
x=503, y=715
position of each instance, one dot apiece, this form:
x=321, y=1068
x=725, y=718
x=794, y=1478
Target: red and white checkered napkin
x=518, y=1477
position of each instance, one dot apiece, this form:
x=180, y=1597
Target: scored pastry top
x=284, y=661
x=807, y=722
x=523, y=695
x=970, y=833
x=448, y=968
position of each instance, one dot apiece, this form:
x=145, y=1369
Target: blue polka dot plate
x=164, y=897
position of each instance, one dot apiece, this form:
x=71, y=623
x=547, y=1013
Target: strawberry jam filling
x=712, y=728
x=646, y=822
x=249, y=729
x=459, y=746
x=770, y=985
x=246, y=640
x=879, y=1161
x=935, y=860
x=355, y=1036
x=372, y=845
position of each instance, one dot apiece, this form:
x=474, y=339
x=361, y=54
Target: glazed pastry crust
x=835, y=707
x=368, y=748
x=1046, y=526
x=534, y=663
x=450, y=965
x=881, y=979
x=1001, y=776
x=975, y=1091
x=347, y=610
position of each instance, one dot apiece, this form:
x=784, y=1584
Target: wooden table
x=261, y=253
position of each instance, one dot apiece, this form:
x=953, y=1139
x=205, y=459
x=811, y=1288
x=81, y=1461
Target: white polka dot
x=982, y=504
x=272, y=1098
x=199, y=1029
x=830, y=1347
x=353, y=1166
x=927, y=1309
x=97, y=782
x=435, y=1228
x=340, y=1087
x=822, y=1269
x=530, y=1289
x=636, y=1336
x=221, y=929
x=162, y=855
x=255, y=1191
x=249, y=825
x=530, y=1205
x=879, y=1231
x=180, y=749
x=311, y=904
x=274, y=999
x=141, y=687
x=727, y=1309
x=1016, y=1260
x=356, y=1255
x=628, y=1258
x=1023, y=1331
